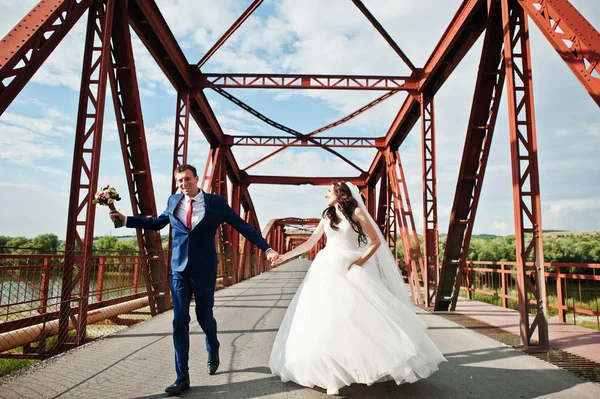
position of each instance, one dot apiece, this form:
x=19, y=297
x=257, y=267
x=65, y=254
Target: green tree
x=18, y=245
x=106, y=244
x=3, y=244
x=45, y=243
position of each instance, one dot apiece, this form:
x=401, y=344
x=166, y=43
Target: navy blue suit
x=194, y=268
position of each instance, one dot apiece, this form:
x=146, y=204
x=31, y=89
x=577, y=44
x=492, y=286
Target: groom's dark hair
x=184, y=167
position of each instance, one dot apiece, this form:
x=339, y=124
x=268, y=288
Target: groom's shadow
x=253, y=388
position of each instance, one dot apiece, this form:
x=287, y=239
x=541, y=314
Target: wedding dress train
x=345, y=326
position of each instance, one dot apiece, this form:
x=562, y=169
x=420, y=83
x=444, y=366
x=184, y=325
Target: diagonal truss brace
x=573, y=38
x=286, y=129
x=480, y=130
x=25, y=48
x=336, y=123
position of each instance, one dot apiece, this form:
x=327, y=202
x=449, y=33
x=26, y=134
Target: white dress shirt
x=198, y=209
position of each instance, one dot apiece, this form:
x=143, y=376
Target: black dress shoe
x=178, y=387
x=213, y=362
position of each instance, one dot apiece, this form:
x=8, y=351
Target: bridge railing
x=30, y=299
x=30, y=296
x=573, y=289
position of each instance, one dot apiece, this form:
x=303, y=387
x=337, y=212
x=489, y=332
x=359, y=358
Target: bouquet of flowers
x=107, y=196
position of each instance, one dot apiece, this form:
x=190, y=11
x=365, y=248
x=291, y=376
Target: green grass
x=8, y=366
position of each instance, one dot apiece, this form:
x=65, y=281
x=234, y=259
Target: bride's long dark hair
x=346, y=204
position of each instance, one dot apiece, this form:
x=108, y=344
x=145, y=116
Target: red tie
x=188, y=216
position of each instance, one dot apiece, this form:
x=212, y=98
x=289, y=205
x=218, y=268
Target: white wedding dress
x=344, y=326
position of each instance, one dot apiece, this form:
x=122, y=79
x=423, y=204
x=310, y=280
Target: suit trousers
x=183, y=285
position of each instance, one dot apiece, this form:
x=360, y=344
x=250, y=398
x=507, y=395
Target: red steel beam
x=132, y=135
x=285, y=141
x=573, y=38
x=245, y=264
x=86, y=166
x=480, y=131
x=462, y=32
x=233, y=235
x=400, y=206
x=182, y=126
x=384, y=33
x=180, y=145
x=525, y=176
x=290, y=81
x=298, y=221
x=430, y=221
x=248, y=267
x=369, y=195
x=300, y=180
x=230, y=31
x=152, y=29
x=150, y=26
x=286, y=129
x=25, y=48
x=345, y=119
x=209, y=180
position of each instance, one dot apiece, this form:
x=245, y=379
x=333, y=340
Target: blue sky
x=289, y=36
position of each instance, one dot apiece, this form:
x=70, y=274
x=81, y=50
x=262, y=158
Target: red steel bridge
x=79, y=298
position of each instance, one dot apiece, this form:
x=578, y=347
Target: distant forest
x=568, y=247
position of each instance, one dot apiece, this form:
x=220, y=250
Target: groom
x=194, y=216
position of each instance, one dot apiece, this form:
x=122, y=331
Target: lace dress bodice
x=343, y=238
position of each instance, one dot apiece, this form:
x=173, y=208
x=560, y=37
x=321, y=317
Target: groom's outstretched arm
x=234, y=220
x=153, y=223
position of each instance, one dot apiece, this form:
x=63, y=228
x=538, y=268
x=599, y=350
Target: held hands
x=280, y=260
x=273, y=256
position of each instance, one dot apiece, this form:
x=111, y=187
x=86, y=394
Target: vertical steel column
x=370, y=197
x=182, y=124
x=392, y=220
x=233, y=234
x=86, y=165
x=382, y=207
x=212, y=170
x=526, y=190
x=430, y=221
x=180, y=146
x=246, y=247
x=132, y=135
x=224, y=231
x=405, y=218
x=480, y=130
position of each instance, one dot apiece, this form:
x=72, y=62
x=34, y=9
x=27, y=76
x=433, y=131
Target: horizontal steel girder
x=326, y=82
x=300, y=180
x=284, y=141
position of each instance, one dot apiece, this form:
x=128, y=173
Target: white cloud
x=23, y=146
x=564, y=214
x=307, y=37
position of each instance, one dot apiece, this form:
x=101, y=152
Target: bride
x=351, y=320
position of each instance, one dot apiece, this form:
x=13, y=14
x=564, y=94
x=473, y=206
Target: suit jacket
x=195, y=249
